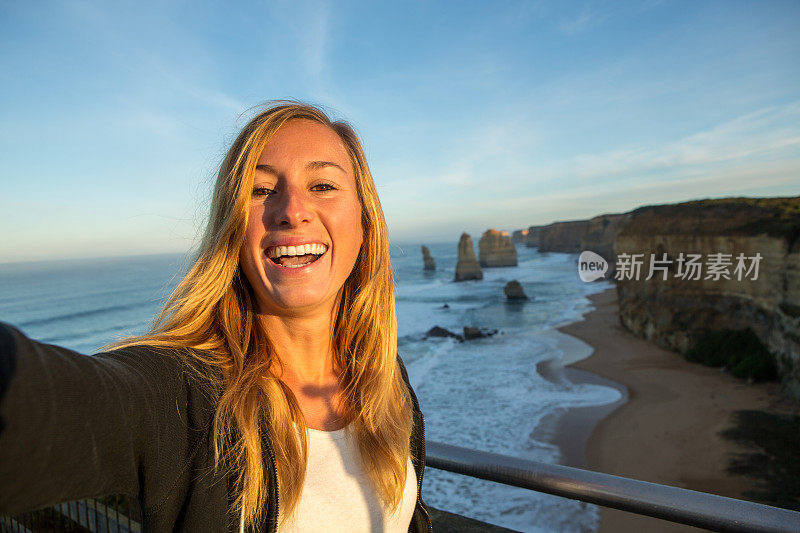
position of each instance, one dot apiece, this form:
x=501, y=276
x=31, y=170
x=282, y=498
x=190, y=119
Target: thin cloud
x=772, y=131
x=308, y=24
x=151, y=67
x=316, y=42
x=587, y=19
x=755, y=154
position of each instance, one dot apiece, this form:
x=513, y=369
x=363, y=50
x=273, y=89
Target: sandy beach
x=666, y=429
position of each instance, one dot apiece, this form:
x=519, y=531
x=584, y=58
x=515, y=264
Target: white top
x=337, y=495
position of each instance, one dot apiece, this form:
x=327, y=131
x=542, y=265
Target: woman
x=269, y=393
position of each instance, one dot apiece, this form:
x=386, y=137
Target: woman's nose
x=293, y=207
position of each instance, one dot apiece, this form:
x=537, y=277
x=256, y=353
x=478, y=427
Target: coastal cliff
x=674, y=312
x=563, y=237
x=532, y=237
x=601, y=235
x=495, y=249
x=597, y=234
x=519, y=236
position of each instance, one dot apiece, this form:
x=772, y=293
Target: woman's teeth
x=296, y=256
x=303, y=249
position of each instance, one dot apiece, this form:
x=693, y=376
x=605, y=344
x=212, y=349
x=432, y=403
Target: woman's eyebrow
x=312, y=165
x=267, y=168
x=316, y=165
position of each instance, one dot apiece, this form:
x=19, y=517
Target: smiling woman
x=268, y=395
x=304, y=194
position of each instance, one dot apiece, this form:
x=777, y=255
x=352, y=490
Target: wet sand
x=668, y=429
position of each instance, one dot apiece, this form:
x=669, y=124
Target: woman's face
x=304, y=230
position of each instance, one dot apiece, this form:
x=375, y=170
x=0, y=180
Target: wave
x=106, y=331
x=84, y=314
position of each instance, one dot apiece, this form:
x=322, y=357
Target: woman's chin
x=292, y=303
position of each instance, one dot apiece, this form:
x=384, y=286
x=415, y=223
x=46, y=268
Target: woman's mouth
x=296, y=256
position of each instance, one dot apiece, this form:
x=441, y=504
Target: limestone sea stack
x=430, y=264
x=496, y=250
x=467, y=266
x=513, y=291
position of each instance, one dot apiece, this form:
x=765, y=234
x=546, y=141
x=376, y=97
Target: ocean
x=484, y=394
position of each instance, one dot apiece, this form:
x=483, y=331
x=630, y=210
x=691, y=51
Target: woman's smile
x=297, y=256
x=295, y=260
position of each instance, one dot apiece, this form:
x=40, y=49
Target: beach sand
x=666, y=429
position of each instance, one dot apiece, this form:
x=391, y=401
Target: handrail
x=684, y=506
x=660, y=501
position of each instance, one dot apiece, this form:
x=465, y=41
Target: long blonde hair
x=213, y=312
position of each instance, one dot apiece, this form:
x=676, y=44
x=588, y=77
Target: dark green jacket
x=133, y=421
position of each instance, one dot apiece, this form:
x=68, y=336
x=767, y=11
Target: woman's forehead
x=302, y=141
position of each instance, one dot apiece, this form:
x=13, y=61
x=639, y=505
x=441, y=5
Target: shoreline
x=669, y=429
x=571, y=427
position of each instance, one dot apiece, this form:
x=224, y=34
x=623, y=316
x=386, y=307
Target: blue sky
x=473, y=114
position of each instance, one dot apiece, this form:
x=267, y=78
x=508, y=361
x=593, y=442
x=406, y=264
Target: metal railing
x=660, y=501
x=112, y=514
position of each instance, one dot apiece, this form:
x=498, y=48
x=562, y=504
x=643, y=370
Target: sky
x=115, y=115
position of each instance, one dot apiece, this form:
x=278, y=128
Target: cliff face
x=562, y=236
x=496, y=250
x=519, y=236
x=467, y=266
x=532, y=238
x=675, y=312
x=601, y=235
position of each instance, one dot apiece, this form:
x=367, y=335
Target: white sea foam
x=486, y=394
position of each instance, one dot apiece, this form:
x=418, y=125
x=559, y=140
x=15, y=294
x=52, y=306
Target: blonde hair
x=213, y=312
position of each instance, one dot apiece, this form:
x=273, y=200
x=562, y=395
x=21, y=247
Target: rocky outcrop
x=513, y=291
x=471, y=332
x=676, y=311
x=496, y=249
x=467, y=266
x=437, y=331
x=519, y=236
x=428, y=261
x=562, y=236
x=532, y=238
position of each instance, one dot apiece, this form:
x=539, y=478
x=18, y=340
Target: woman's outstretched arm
x=75, y=426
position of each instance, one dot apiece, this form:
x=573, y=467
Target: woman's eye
x=323, y=187
x=262, y=191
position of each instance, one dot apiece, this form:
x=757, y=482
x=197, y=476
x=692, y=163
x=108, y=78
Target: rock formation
x=562, y=236
x=437, y=331
x=496, y=250
x=513, y=291
x=600, y=236
x=471, y=332
x=532, y=238
x=430, y=264
x=519, y=236
x=467, y=266
x=676, y=311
